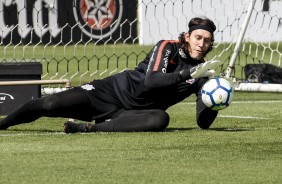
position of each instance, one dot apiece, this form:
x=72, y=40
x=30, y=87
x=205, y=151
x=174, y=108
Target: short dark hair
x=198, y=21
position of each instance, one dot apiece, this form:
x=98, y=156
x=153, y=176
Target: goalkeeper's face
x=199, y=43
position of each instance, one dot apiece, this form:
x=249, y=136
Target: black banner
x=67, y=21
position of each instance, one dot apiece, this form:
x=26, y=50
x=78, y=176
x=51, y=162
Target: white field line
x=45, y=134
x=257, y=102
x=241, y=102
x=241, y=117
x=32, y=134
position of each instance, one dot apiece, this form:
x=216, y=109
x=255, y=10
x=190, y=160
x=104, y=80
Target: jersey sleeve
x=159, y=71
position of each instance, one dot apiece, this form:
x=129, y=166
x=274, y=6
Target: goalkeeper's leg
x=127, y=121
x=72, y=103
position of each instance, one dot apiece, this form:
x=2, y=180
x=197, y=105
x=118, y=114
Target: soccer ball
x=217, y=93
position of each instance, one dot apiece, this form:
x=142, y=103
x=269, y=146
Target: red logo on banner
x=98, y=14
x=98, y=18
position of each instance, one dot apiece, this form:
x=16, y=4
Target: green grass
x=242, y=146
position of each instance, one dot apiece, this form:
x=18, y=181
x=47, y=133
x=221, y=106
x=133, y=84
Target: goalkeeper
x=135, y=100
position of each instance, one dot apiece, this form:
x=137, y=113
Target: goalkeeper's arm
x=159, y=79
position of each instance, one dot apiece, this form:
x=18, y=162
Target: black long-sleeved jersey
x=156, y=83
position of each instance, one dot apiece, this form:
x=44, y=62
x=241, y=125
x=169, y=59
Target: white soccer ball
x=217, y=93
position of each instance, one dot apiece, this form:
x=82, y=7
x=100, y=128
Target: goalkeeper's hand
x=204, y=69
x=231, y=80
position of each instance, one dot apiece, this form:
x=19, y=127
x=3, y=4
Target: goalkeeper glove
x=204, y=69
x=201, y=70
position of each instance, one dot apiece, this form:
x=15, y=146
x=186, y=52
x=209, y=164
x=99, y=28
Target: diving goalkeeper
x=135, y=100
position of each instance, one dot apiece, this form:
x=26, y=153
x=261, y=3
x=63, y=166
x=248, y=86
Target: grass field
x=244, y=145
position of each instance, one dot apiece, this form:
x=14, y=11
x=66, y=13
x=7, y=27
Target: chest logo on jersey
x=88, y=87
x=190, y=81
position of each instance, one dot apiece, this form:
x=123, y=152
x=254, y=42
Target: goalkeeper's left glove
x=201, y=70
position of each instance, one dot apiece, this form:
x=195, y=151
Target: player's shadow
x=179, y=129
x=223, y=129
x=231, y=129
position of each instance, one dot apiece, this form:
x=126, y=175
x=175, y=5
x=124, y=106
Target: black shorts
x=104, y=102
